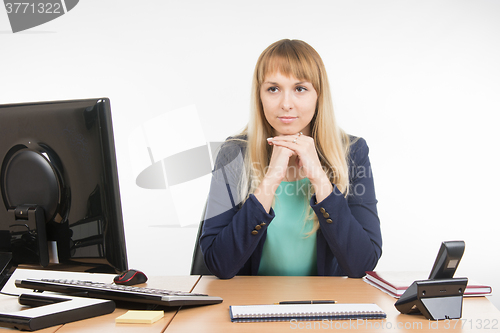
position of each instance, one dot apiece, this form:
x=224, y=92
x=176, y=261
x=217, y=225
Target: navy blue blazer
x=349, y=240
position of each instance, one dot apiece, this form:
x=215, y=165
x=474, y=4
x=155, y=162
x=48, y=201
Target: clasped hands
x=307, y=161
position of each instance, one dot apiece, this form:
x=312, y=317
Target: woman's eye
x=301, y=89
x=272, y=89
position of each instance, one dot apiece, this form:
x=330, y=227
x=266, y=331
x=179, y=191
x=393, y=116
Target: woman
x=293, y=194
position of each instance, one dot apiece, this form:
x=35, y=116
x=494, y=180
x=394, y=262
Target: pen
x=308, y=302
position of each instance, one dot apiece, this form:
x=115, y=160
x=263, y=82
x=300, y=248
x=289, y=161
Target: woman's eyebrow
x=276, y=83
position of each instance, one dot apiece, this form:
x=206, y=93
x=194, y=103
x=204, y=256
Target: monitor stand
x=28, y=240
x=28, y=227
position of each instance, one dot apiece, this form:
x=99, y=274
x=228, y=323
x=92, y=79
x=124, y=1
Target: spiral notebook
x=286, y=312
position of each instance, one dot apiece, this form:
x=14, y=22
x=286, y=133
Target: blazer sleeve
x=232, y=230
x=350, y=225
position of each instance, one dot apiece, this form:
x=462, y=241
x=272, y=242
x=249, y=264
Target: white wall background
x=419, y=80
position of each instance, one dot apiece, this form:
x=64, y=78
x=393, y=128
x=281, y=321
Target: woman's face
x=289, y=104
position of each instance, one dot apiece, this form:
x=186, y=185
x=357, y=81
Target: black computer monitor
x=60, y=199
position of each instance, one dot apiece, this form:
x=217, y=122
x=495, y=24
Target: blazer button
x=326, y=215
x=263, y=224
x=254, y=232
x=329, y=221
x=322, y=210
x=257, y=227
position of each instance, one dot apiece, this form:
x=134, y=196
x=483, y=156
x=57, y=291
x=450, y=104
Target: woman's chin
x=288, y=131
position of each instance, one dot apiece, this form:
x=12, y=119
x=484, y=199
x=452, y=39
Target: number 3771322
x=478, y=324
x=33, y=8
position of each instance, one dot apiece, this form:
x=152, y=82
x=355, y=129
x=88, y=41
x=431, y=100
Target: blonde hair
x=297, y=59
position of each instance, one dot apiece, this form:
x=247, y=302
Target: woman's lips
x=287, y=120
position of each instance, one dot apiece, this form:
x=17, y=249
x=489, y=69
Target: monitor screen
x=60, y=200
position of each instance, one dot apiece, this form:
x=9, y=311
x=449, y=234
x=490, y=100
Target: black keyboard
x=120, y=293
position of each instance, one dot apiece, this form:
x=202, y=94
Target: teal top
x=288, y=250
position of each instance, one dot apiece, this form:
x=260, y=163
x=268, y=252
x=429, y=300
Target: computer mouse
x=130, y=277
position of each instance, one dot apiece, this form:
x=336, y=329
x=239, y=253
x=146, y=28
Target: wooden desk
x=477, y=312
x=243, y=290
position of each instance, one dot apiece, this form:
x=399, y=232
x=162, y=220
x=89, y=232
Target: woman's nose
x=286, y=101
